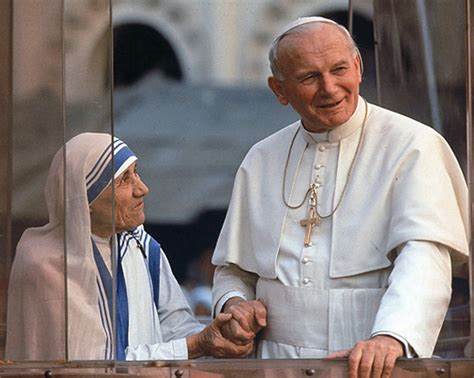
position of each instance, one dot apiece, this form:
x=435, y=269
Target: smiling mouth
x=331, y=105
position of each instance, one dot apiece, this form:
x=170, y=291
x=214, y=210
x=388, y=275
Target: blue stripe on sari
x=104, y=318
x=122, y=314
x=122, y=301
x=106, y=280
x=102, y=161
x=105, y=177
x=153, y=255
x=98, y=166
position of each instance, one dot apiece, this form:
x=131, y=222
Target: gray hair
x=299, y=26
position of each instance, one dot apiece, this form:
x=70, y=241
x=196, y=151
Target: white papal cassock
x=380, y=265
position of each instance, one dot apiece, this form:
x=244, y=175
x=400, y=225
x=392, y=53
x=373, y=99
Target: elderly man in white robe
x=342, y=226
x=71, y=261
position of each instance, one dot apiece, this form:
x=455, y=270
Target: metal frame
x=6, y=56
x=470, y=163
x=6, y=47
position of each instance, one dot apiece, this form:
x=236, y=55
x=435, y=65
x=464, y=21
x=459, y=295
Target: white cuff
x=173, y=350
x=222, y=300
x=409, y=353
x=180, y=349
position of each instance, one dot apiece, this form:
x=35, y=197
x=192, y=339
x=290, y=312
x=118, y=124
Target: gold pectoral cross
x=313, y=218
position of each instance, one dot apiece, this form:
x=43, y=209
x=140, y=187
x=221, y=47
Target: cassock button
x=305, y=260
x=322, y=148
x=305, y=281
x=318, y=167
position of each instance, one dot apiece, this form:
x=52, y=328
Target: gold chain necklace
x=312, y=188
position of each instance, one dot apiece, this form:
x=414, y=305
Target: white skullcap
x=301, y=21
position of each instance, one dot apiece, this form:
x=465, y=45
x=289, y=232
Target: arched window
x=139, y=49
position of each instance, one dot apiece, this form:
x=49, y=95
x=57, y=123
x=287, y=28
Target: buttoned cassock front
x=379, y=264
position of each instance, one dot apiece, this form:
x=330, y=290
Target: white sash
x=333, y=319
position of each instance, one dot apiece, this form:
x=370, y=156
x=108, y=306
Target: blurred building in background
x=213, y=41
x=190, y=97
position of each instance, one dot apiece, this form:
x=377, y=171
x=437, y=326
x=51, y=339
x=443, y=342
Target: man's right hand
x=248, y=318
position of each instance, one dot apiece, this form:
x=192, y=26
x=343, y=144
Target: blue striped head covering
x=100, y=176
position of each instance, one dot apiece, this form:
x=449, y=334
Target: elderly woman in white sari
x=67, y=286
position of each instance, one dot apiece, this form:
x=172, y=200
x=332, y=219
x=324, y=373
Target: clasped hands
x=248, y=318
x=232, y=333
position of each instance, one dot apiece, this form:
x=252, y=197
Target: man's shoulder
x=275, y=140
x=389, y=124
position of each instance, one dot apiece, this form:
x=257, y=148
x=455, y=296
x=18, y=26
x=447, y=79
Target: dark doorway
x=140, y=49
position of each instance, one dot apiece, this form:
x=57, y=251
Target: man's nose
x=328, y=84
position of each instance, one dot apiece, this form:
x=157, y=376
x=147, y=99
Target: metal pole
x=115, y=252
x=470, y=172
x=350, y=15
x=376, y=49
x=6, y=147
x=6, y=127
x=429, y=65
x=65, y=183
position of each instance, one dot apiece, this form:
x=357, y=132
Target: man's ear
x=359, y=66
x=277, y=89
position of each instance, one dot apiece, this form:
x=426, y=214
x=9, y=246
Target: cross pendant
x=312, y=220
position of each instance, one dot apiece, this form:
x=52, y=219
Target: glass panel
x=87, y=102
x=87, y=70
x=5, y=160
x=421, y=58
x=417, y=54
x=37, y=134
x=53, y=42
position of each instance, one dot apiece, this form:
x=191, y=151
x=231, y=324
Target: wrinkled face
x=320, y=76
x=130, y=191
